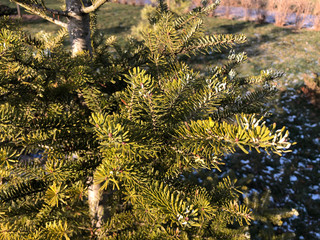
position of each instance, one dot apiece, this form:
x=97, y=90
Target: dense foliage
x=134, y=120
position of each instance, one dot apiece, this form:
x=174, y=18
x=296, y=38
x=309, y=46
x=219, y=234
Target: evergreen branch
x=237, y=212
x=265, y=76
x=176, y=90
x=250, y=103
x=189, y=35
x=56, y=230
x=209, y=138
x=215, y=42
x=234, y=60
x=161, y=199
x=181, y=21
x=22, y=189
x=33, y=41
x=119, y=222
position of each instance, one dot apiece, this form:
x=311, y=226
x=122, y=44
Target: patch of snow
x=283, y=160
x=290, y=191
x=293, y=178
x=314, y=187
x=317, y=235
x=315, y=196
x=245, y=162
x=278, y=176
x=251, y=191
x=291, y=118
x=310, y=125
x=295, y=151
x=316, y=141
x=287, y=110
x=269, y=169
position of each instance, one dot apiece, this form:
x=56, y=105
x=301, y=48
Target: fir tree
x=136, y=118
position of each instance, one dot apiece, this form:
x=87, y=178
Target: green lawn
x=294, y=52
x=288, y=50
x=113, y=19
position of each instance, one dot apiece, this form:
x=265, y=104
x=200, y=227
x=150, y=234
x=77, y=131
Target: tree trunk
x=95, y=207
x=79, y=27
x=19, y=12
x=80, y=39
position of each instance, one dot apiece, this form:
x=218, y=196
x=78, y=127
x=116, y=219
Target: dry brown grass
x=233, y=3
x=227, y=4
x=316, y=12
x=283, y=8
x=261, y=6
x=247, y=4
x=302, y=9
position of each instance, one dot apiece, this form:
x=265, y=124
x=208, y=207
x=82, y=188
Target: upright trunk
x=79, y=31
x=95, y=205
x=79, y=26
x=18, y=10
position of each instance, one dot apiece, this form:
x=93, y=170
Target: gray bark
x=19, y=12
x=95, y=207
x=79, y=26
x=79, y=32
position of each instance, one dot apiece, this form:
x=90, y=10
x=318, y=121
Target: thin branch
x=45, y=9
x=40, y=11
x=94, y=6
x=53, y=11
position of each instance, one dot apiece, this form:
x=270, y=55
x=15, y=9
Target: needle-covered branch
x=208, y=137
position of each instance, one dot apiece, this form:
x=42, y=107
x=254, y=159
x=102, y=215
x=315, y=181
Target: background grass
x=295, y=52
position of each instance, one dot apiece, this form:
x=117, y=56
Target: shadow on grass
x=235, y=28
x=257, y=35
x=116, y=30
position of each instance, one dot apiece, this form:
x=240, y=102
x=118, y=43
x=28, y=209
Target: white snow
x=283, y=160
x=244, y=162
x=269, y=169
x=310, y=125
x=293, y=178
x=315, y=196
x=278, y=176
x=314, y=187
